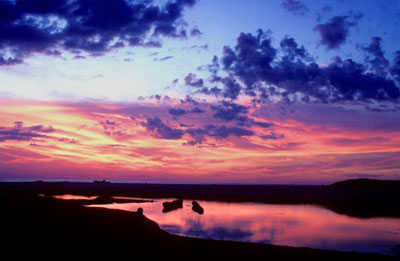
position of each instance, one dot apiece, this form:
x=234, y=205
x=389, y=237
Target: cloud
x=295, y=7
x=376, y=57
x=223, y=132
x=219, y=132
x=272, y=136
x=112, y=128
x=176, y=112
x=195, y=32
x=162, y=130
x=21, y=133
x=196, y=47
x=94, y=27
x=395, y=69
x=292, y=50
x=251, y=57
x=217, y=125
x=197, y=110
x=191, y=80
x=163, y=59
x=335, y=32
x=228, y=111
x=255, y=68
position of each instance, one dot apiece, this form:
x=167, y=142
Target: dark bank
x=48, y=227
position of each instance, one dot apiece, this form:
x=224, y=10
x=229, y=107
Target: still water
x=74, y=197
x=289, y=225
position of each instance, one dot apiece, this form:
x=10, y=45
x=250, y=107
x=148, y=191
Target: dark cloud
x=191, y=80
x=229, y=111
x=218, y=132
x=108, y=122
x=96, y=27
x=163, y=58
x=255, y=68
x=272, y=136
x=265, y=125
x=224, y=132
x=196, y=47
x=395, y=69
x=214, y=66
x=376, y=57
x=198, y=134
x=112, y=128
x=251, y=57
x=350, y=80
x=335, y=32
x=67, y=140
x=296, y=7
x=40, y=128
x=190, y=100
x=291, y=49
x=21, y=133
x=162, y=130
x=231, y=88
x=79, y=57
x=197, y=110
x=195, y=32
x=176, y=112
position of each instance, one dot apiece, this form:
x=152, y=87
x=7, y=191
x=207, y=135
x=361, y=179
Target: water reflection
x=291, y=225
x=76, y=197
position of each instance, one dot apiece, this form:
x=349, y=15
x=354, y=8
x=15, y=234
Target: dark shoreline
x=361, y=198
x=50, y=228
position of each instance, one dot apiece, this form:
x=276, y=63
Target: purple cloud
x=28, y=27
x=295, y=7
x=162, y=130
x=195, y=32
x=255, y=68
x=376, y=57
x=176, y=112
x=163, y=58
x=21, y=133
x=335, y=32
x=192, y=80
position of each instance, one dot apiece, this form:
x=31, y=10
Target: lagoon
x=290, y=225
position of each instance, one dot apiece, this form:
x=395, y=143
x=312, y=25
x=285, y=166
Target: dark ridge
x=367, y=183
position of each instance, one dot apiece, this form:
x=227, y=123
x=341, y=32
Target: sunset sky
x=185, y=91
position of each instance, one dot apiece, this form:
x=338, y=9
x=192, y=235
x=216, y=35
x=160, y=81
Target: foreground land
x=47, y=228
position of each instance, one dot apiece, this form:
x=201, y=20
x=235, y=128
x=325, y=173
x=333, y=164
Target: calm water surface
x=290, y=225
x=74, y=197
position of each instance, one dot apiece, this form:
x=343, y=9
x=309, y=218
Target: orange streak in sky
x=81, y=140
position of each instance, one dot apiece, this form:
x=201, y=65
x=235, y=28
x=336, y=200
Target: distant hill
x=366, y=183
